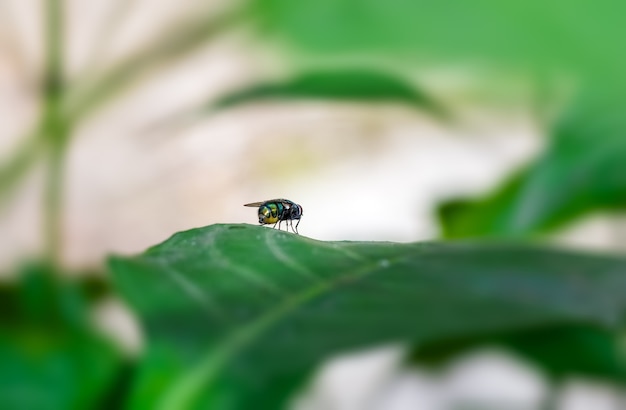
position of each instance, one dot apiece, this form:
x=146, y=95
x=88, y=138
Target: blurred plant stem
x=178, y=40
x=66, y=105
x=56, y=132
x=19, y=163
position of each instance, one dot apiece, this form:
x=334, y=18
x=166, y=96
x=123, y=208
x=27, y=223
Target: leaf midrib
x=185, y=388
x=183, y=391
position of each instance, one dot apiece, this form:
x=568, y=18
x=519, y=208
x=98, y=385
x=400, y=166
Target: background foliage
x=235, y=315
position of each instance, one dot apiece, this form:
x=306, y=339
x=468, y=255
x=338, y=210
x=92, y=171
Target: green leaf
x=361, y=85
x=237, y=315
x=580, y=37
x=582, y=171
x=356, y=85
x=43, y=370
x=560, y=351
x=51, y=358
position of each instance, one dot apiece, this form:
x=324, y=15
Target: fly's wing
x=286, y=203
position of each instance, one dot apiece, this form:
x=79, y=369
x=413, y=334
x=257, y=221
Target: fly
x=274, y=211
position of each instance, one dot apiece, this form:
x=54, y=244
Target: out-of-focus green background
x=124, y=121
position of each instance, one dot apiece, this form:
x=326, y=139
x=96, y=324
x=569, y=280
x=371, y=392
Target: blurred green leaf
x=582, y=171
x=236, y=315
x=460, y=218
x=560, y=351
x=356, y=85
x=579, y=36
x=361, y=85
x=51, y=358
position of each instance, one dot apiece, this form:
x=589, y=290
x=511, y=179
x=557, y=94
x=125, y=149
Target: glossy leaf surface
x=237, y=316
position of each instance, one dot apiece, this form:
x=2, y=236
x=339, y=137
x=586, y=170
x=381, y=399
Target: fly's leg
x=296, y=228
x=274, y=226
